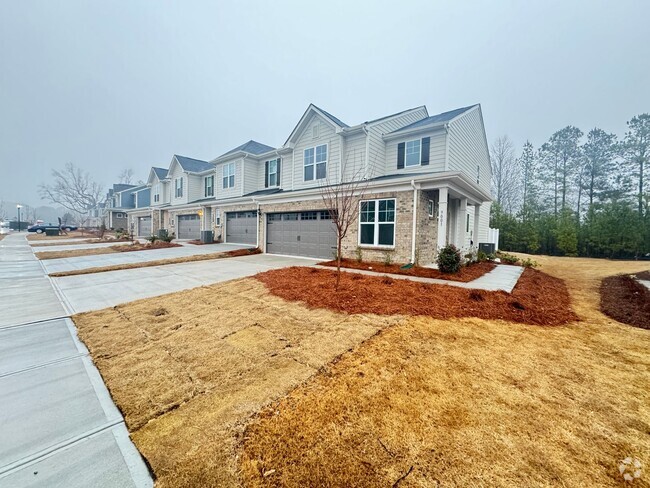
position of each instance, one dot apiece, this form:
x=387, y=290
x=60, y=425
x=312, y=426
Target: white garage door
x=310, y=234
x=241, y=227
x=189, y=226
x=144, y=226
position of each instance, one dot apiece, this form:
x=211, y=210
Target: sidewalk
x=503, y=277
x=58, y=422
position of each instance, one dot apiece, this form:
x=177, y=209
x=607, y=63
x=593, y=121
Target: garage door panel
x=189, y=226
x=241, y=227
x=309, y=234
x=144, y=226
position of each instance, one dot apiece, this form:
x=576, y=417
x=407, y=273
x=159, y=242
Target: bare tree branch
x=73, y=189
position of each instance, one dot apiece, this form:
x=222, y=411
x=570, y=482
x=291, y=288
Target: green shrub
x=507, y=258
x=481, y=257
x=449, y=259
x=529, y=263
x=152, y=238
x=167, y=238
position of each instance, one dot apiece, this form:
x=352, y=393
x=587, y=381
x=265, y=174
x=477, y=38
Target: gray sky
x=114, y=85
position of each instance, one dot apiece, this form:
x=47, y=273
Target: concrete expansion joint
x=44, y=365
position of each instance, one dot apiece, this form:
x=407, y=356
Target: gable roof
x=336, y=120
x=161, y=173
x=251, y=147
x=193, y=165
x=436, y=119
x=397, y=114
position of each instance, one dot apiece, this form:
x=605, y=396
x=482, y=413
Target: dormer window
x=413, y=153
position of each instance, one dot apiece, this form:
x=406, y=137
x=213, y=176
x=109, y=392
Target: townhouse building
x=426, y=183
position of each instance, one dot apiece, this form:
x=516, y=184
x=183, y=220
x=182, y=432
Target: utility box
x=207, y=237
x=162, y=233
x=487, y=247
x=51, y=232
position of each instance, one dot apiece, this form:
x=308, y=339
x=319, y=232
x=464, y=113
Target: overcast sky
x=114, y=85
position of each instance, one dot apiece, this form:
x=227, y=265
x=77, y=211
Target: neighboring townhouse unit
x=118, y=202
x=426, y=184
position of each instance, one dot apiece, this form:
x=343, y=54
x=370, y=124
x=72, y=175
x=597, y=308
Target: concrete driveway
x=85, y=262
x=83, y=293
x=58, y=424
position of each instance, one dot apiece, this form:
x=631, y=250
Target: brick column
x=443, y=196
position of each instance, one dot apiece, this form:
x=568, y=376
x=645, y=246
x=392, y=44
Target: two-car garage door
x=310, y=234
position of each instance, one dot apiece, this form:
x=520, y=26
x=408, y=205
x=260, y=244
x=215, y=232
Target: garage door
x=310, y=234
x=189, y=226
x=144, y=226
x=241, y=227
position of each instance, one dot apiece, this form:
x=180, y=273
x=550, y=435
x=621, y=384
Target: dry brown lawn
x=33, y=236
x=74, y=253
x=364, y=400
x=75, y=243
x=189, y=369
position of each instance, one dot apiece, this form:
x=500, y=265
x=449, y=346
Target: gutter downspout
x=415, y=214
x=257, y=230
x=367, y=162
x=447, y=147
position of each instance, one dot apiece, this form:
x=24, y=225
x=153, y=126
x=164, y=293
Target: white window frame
x=431, y=207
x=178, y=188
x=376, y=224
x=217, y=216
x=406, y=153
x=275, y=173
x=315, y=163
x=156, y=195
x=228, y=177
x=478, y=174
x=205, y=186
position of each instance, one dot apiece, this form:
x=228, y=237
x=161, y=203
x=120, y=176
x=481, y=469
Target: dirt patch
x=536, y=299
x=188, y=369
x=643, y=275
x=624, y=299
x=105, y=250
x=158, y=262
x=466, y=273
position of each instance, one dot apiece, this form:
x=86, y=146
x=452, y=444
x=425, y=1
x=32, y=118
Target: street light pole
x=18, y=207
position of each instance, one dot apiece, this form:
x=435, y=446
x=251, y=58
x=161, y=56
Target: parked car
x=40, y=228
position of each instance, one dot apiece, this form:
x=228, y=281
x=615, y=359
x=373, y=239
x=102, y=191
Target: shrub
x=449, y=259
x=507, y=258
x=481, y=257
x=167, y=238
x=529, y=263
x=388, y=258
x=152, y=238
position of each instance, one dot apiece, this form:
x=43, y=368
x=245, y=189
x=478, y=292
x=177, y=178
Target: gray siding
x=354, y=159
x=437, y=149
x=236, y=191
x=195, y=188
x=468, y=149
x=252, y=175
x=326, y=135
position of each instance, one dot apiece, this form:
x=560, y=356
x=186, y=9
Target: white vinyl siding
x=251, y=175
x=468, y=149
x=326, y=135
x=236, y=191
x=436, y=153
x=354, y=159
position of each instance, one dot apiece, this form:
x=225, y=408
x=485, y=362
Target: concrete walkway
x=95, y=291
x=645, y=283
x=503, y=277
x=58, y=424
x=85, y=262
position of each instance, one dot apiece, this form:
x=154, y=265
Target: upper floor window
x=413, y=153
x=273, y=172
x=229, y=175
x=478, y=174
x=315, y=163
x=178, y=184
x=377, y=222
x=156, y=195
x=208, y=186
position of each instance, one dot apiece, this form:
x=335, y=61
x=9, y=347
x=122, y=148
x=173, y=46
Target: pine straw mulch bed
x=136, y=246
x=466, y=273
x=536, y=299
x=624, y=299
x=158, y=262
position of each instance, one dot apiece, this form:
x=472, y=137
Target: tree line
x=576, y=194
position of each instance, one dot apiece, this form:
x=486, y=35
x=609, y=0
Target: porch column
x=477, y=212
x=443, y=195
x=461, y=224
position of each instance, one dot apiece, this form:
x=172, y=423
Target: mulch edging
x=464, y=275
x=626, y=300
x=537, y=298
